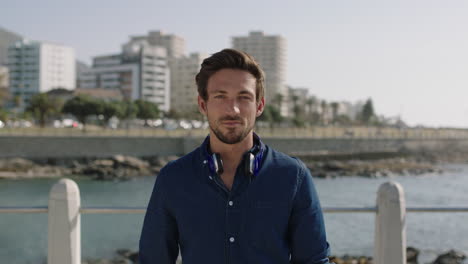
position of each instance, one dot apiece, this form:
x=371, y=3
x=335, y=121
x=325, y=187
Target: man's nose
x=232, y=106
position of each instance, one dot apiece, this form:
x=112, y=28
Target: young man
x=233, y=200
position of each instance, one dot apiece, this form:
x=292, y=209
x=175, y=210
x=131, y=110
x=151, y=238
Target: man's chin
x=230, y=137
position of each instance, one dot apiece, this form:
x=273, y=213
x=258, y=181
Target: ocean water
x=23, y=237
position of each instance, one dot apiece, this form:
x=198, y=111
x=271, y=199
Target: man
x=233, y=200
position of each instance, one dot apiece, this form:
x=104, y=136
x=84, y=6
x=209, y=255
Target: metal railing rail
x=64, y=225
x=142, y=210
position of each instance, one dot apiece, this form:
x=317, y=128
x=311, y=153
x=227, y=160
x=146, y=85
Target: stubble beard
x=232, y=136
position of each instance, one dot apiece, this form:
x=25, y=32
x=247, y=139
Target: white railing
x=64, y=221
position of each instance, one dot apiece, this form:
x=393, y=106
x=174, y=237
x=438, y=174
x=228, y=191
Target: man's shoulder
x=278, y=158
x=181, y=166
x=281, y=164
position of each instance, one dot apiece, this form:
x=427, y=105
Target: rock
x=412, y=255
x=134, y=257
x=97, y=261
x=22, y=168
x=130, y=162
x=16, y=164
x=347, y=259
x=157, y=161
x=121, y=261
x=451, y=257
x=124, y=252
x=334, y=166
x=103, y=163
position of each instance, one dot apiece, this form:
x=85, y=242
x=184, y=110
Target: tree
x=278, y=101
x=271, y=115
x=295, y=99
x=81, y=107
x=128, y=110
x=343, y=120
x=335, y=106
x=324, y=106
x=146, y=110
x=3, y=115
x=41, y=107
x=311, y=102
x=367, y=113
x=173, y=114
x=194, y=114
x=3, y=95
x=110, y=109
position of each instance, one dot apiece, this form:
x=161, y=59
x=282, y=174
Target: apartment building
x=7, y=38
x=36, y=67
x=175, y=45
x=140, y=71
x=183, y=87
x=270, y=52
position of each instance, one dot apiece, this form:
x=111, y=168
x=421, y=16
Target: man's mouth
x=231, y=122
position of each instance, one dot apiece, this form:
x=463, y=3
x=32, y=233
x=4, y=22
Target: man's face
x=231, y=107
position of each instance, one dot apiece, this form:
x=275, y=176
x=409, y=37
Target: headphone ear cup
x=249, y=162
x=217, y=163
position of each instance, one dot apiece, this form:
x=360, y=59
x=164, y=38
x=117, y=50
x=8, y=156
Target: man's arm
x=306, y=227
x=159, y=237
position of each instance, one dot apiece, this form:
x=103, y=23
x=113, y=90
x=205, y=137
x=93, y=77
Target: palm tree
x=324, y=107
x=310, y=102
x=294, y=99
x=335, y=107
x=278, y=101
x=41, y=106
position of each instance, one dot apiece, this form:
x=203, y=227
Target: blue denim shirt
x=274, y=218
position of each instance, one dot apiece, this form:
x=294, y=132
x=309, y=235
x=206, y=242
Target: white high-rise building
x=7, y=38
x=270, y=52
x=141, y=71
x=183, y=87
x=174, y=44
x=37, y=67
x=109, y=72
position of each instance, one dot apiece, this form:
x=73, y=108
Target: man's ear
x=260, y=106
x=201, y=105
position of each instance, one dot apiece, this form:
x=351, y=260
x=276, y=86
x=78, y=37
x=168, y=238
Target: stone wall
x=71, y=147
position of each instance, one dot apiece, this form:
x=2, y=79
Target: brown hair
x=230, y=59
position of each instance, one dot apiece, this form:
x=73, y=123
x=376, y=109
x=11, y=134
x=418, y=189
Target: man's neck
x=231, y=154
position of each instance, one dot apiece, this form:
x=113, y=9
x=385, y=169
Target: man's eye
x=219, y=96
x=245, y=97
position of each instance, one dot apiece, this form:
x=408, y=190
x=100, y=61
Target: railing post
x=390, y=230
x=64, y=239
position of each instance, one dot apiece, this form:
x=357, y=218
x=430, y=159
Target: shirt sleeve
x=307, y=235
x=159, y=236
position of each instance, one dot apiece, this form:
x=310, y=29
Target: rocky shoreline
x=326, y=165
x=126, y=256
x=118, y=167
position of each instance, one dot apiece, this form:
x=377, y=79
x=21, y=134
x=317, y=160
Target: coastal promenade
x=66, y=143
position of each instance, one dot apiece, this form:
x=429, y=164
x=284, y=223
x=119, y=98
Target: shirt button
x=231, y=203
x=231, y=239
x=211, y=178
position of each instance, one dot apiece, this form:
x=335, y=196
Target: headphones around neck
x=250, y=161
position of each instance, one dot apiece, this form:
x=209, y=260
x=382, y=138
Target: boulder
x=412, y=255
x=451, y=257
x=16, y=164
x=128, y=161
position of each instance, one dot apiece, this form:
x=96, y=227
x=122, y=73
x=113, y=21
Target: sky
x=409, y=56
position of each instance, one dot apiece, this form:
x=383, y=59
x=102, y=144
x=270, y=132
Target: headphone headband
x=251, y=160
